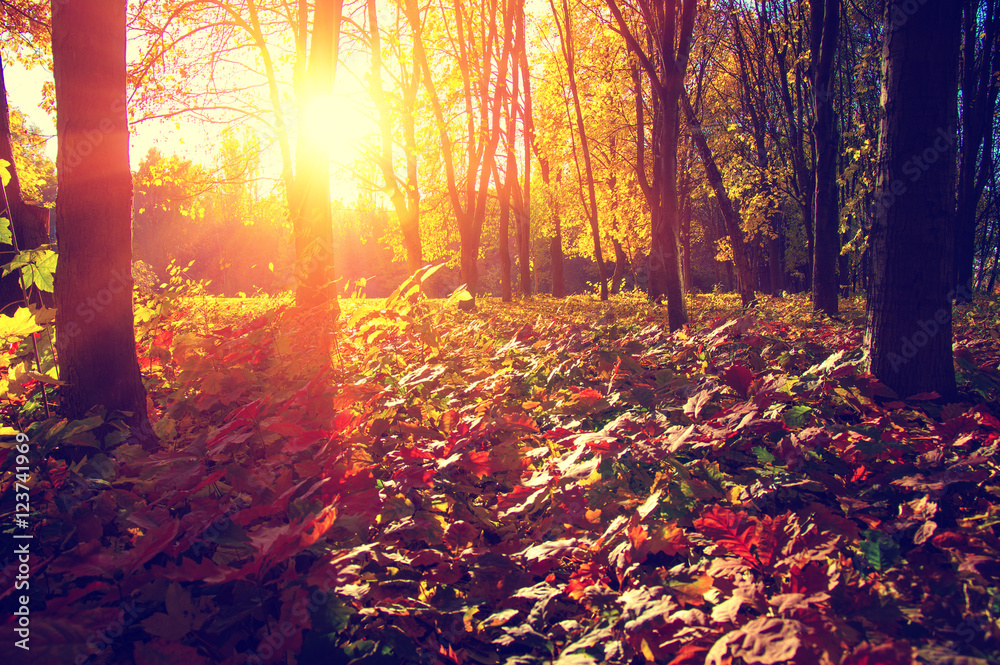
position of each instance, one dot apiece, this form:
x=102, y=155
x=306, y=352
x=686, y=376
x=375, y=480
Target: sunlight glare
x=337, y=122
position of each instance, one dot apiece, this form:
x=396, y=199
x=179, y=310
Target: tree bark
x=908, y=331
x=312, y=220
x=980, y=87
x=28, y=223
x=826, y=214
x=729, y=214
x=669, y=35
x=405, y=204
x=621, y=265
x=94, y=335
x=569, y=55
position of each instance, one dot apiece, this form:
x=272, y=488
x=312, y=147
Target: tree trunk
x=312, y=220
x=405, y=204
x=95, y=338
x=28, y=223
x=826, y=214
x=908, y=331
x=621, y=265
x=729, y=214
x=505, y=290
x=569, y=55
x=524, y=208
x=775, y=260
x=556, y=257
x=979, y=103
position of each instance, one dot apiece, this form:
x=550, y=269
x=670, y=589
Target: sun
x=341, y=124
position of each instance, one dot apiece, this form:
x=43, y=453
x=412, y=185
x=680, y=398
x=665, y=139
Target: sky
x=348, y=125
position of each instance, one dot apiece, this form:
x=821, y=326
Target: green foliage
x=37, y=267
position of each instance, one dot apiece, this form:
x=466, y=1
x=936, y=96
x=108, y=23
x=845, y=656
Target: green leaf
x=796, y=416
x=763, y=455
x=6, y=236
x=5, y=172
x=37, y=266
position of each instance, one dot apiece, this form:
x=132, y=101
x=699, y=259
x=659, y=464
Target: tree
x=198, y=38
x=309, y=200
x=908, y=332
x=668, y=31
x=405, y=197
x=729, y=214
x=980, y=87
x=477, y=43
x=95, y=340
x=825, y=27
x=29, y=224
x=565, y=28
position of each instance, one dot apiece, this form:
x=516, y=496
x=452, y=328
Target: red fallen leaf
x=696, y=403
x=283, y=542
x=888, y=653
x=208, y=480
x=587, y=397
x=305, y=441
x=167, y=652
x=149, y=545
x=948, y=540
x=731, y=530
x=283, y=427
x=637, y=535
x=763, y=640
x=690, y=653
x=738, y=378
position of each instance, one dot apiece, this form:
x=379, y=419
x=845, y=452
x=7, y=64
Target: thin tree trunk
x=730, y=217
x=566, y=40
x=28, y=223
x=826, y=239
x=621, y=265
x=404, y=204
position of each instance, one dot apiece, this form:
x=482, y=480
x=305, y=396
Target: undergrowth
x=533, y=482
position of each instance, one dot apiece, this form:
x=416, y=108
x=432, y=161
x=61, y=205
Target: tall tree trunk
x=826, y=214
x=505, y=290
x=312, y=220
x=775, y=259
x=980, y=85
x=569, y=55
x=405, y=204
x=94, y=335
x=908, y=331
x=621, y=265
x=669, y=36
x=524, y=208
x=730, y=217
x=556, y=257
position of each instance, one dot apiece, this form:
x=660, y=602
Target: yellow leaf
x=20, y=325
x=647, y=652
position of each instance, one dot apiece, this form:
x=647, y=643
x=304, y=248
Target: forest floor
x=535, y=482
